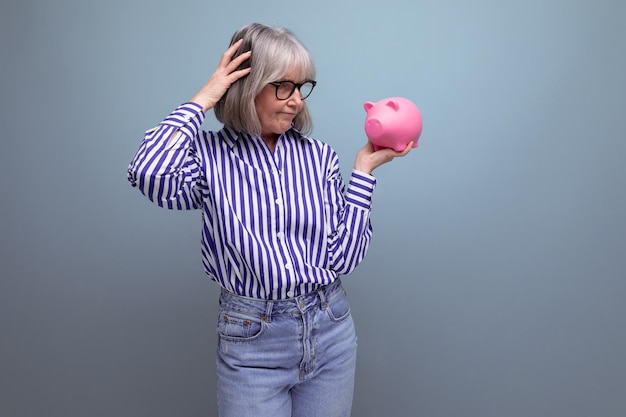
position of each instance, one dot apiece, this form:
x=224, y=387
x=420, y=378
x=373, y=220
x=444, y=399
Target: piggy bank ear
x=368, y=105
x=393, y=104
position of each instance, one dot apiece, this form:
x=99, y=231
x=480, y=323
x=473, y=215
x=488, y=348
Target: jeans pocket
x=338, y=307
x=236, y=326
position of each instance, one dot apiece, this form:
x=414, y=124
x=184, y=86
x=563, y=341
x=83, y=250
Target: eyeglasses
x=284, y=89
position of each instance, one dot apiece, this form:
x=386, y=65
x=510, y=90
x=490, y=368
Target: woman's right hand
x=367, y=159
x=223, y=77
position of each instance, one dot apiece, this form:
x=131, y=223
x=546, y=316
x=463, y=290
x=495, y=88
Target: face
x=276, y=115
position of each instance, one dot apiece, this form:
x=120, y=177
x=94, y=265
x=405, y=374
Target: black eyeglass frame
x=277, y=85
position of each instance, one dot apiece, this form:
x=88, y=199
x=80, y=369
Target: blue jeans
x=288, y=358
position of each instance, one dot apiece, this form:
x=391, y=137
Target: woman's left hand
x=367, y=159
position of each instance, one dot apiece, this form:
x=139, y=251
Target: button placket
x=281, y=217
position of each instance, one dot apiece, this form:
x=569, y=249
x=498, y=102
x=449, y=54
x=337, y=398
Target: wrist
x=363, y=168
x=199, y=100
x=362, y=163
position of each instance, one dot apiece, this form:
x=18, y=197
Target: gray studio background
x=495, y=282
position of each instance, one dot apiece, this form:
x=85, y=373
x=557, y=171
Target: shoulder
x=211, y=138
x=319, y=145
x=324, y=155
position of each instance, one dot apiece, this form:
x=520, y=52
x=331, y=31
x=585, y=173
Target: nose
x=296, y=96
x=297, y=91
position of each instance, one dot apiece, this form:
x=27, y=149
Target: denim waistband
x=296, y=305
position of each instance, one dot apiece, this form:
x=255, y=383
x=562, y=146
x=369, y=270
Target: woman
x=278, y=228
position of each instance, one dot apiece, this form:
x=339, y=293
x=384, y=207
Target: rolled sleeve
x=187, y=117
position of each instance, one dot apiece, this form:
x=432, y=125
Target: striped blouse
x=276, y=225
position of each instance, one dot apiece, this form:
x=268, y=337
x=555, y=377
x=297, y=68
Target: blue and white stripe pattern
x=276, y=225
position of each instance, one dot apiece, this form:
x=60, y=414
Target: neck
x=270, y=140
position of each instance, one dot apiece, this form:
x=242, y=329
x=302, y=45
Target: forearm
x=352, y=236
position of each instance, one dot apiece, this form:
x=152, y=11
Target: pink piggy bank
x=392, y=123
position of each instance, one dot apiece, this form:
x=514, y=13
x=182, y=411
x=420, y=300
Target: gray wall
x=495, y=281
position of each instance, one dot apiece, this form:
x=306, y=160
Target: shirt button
x=279, y=201
x=289, y=294
x=288, y=266
x=280, y=235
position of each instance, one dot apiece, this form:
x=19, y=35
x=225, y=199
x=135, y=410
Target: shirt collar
x=231, y=135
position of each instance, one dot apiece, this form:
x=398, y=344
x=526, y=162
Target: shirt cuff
x=187, y=117
x=360, y=189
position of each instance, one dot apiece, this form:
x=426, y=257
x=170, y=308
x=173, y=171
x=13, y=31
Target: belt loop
x=320, y=293
x=268, y=311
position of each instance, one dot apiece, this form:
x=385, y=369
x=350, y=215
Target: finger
x=235, y=75
x=406, y=150
x=234, y=47
x=390, y=153
x=227, y=56
x=239, y=60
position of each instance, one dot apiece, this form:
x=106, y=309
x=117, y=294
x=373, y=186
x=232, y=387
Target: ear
x=368, y=105
x=393, y=104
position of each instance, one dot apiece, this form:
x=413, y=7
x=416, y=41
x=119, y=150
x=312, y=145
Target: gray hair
x=275, y=51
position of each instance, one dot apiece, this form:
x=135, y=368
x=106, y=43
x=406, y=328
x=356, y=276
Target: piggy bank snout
x=373, y=127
